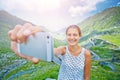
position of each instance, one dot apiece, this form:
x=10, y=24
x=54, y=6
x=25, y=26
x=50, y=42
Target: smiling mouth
x=72, y=41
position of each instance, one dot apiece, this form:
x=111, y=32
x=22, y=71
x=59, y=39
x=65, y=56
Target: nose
x=71, y=37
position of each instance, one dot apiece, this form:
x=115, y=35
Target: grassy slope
x=104, y=20
x=44, y=69
x=114, y=38
x=8, y=58
x=108, y=27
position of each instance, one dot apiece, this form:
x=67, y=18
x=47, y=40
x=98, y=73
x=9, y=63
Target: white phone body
x=39, y=45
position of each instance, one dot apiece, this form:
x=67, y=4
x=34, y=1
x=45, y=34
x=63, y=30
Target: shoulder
x=60, y=50
x=88, y=58
x=87, y=53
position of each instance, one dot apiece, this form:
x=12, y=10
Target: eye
x=68, y=34
x=74, y=34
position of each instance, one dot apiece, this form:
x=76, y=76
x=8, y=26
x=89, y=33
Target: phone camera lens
x=47, y=37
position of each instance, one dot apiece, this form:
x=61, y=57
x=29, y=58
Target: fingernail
x=18, y=41
x=27, y=32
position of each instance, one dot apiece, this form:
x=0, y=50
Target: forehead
x=72, y=30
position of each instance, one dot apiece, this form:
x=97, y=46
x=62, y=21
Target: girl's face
x=72, y=36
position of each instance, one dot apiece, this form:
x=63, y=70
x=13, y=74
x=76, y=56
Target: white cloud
x=85, y=7
x=31, y=5
x=118, y=3
x=40, y=12
x=53, y=14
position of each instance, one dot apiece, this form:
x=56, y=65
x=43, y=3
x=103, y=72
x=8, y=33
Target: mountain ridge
x=107, y=19
x=8, y=19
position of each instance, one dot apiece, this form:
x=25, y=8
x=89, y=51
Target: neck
x=73, y=48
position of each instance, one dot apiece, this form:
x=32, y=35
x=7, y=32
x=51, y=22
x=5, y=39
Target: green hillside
x=8, y=21
x=107, y=19
x=10, y=64
x=114, y=38
x=106, y=22
x=100, y=35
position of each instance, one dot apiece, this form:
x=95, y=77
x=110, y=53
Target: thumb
x=32, y=31
x=36, y=29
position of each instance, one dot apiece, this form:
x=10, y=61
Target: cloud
x=85, y=6
x=31, y=5
x=118, y=3
x=50, y=13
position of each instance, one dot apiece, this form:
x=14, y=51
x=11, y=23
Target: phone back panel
x=39, y=45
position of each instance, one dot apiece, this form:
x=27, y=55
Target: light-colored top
x=72, y=67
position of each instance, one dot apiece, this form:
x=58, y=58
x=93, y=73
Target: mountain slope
x=14, y=68
x=105, y=20
x=9, y=20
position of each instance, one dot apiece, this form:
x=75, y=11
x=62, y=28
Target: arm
x=20, y=33
x=87, y=65
x=59, y=50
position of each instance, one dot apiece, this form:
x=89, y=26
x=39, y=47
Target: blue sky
x=106, y=4
x=55, y=14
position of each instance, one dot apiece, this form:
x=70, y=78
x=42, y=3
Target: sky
x=55, y=14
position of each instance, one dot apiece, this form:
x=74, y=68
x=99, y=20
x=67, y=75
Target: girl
x=76, y=60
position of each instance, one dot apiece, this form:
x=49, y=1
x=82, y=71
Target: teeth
x=72, y=41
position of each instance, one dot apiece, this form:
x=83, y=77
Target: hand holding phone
x=39, y=45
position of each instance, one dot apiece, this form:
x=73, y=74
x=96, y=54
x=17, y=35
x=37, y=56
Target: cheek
x=77, y=38
x=67, y=37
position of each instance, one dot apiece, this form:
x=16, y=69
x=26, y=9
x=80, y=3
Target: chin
x=72, y=44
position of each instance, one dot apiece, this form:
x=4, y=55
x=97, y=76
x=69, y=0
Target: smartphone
x=39, y=45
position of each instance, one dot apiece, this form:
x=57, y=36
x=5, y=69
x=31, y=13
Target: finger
x=32, y=30
x=20, y=36
x=15, y=31
x=36, y=29
x=9, y=33
x=26, y=25
x=12, y=33
x=35, y=60
x=14, y=47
